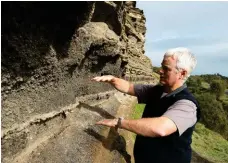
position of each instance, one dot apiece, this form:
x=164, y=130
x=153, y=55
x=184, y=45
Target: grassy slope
x=137, y=113
x=210, y=145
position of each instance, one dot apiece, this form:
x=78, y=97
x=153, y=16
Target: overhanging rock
x=50, y=52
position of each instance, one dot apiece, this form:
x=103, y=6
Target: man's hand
x=108, y=122
x=120, y=84
x=106, y=78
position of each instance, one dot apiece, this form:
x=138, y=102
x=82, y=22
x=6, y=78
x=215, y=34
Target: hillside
x=210, y=91
x=209, y=144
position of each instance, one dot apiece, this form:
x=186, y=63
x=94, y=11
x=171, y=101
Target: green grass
x=137, y=113
x=210, y=145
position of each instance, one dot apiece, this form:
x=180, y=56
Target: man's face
x=169, y=75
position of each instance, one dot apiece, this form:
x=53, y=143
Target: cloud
x=178, y=41
x=219, y=49
x=156, y=56
x=199, y=26
x=200, y=45
x=211, y=65
x=200, y=18
x=172, y=35
x=206, y=63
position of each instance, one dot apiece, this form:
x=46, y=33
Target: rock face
x=50, y=51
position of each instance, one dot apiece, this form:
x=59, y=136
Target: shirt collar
x=177, y=90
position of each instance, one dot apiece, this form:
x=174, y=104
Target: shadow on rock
x=114, y=141
x=99, y=110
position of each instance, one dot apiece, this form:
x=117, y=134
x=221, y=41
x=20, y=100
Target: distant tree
x=212, y=113
x=194, y=84
x=214, y=109
x=218, y=88
x=225, y=107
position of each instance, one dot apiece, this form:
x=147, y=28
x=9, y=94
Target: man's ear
x=183, y=73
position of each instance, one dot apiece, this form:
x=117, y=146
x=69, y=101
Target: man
x=164, y=133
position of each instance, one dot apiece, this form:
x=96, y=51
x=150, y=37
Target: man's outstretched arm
x=149, y=127
x=120, y=84
x=180, y=116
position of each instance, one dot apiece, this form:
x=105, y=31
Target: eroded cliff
x=50, y=52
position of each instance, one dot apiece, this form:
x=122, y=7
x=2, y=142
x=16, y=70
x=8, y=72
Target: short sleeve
x=142, y=92
x=183, y=114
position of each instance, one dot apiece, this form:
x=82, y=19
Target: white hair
x=185, y=59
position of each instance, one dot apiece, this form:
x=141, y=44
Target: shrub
x=218, y=87
x=212, y=113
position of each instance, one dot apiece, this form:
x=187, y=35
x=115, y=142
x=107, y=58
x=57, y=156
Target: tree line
x=211, y=93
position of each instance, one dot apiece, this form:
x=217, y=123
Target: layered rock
x=50, y=51
x=138, y=63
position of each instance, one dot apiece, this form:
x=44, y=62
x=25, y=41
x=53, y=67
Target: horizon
x=204, y=32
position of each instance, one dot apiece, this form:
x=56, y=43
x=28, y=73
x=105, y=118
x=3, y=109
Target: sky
x=200, y=26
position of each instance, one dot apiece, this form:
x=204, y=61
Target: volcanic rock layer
x=50, y=52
